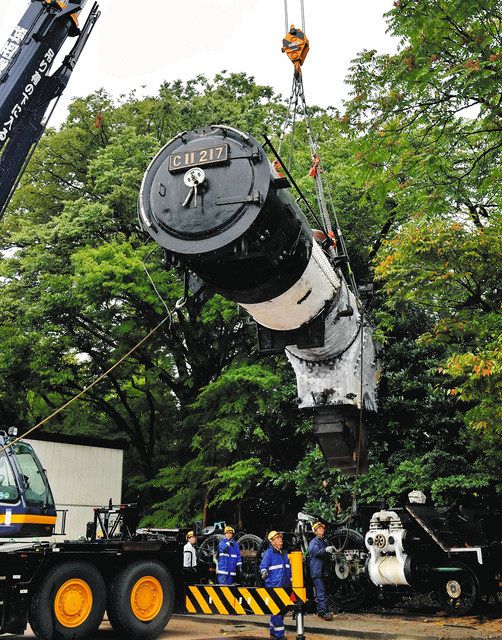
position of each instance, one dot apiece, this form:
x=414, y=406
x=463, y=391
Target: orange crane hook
x=295, y=45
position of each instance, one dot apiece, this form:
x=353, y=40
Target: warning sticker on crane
x=29, y=90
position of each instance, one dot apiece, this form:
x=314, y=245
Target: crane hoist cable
x=286, y=21
x=295, y=45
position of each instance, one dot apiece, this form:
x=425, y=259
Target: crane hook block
x=296, y=46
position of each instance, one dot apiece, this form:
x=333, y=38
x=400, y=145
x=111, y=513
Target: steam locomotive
x=214, y=202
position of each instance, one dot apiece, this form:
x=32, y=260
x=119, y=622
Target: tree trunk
x=205, y=509
x=240, y=524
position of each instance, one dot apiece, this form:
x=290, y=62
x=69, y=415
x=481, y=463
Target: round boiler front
x=198, y=193
x=211, y=198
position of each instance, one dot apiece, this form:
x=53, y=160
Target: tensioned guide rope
x=179, y=305
x=89, y=387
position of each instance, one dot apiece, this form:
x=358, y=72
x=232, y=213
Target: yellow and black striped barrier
x=232, y=600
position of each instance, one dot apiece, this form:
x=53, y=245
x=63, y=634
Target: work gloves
x=264, y=574
x=331, y=550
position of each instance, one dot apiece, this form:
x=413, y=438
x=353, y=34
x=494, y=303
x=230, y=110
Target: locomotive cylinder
x=212, y=199
x=388, y=563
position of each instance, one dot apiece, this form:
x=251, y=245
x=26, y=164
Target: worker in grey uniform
x=190, y=551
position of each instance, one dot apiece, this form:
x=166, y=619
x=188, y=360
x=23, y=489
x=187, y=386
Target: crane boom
x=26, y=88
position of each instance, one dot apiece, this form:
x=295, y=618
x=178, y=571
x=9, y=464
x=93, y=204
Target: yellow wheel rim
x=146, y=598
x=73, y=603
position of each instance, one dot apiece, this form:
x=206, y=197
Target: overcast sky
x=137, y=45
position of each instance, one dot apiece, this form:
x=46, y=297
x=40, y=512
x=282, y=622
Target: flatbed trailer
x=63, y=589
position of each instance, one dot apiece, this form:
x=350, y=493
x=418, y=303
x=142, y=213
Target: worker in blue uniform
x=229, y=558
x=275, y=570
x=319, y=563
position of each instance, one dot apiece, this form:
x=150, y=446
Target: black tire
x=458, y=593
x=152, y=612
x=348, y=587
x=61, y=608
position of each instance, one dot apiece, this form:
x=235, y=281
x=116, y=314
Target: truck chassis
x=63, y=589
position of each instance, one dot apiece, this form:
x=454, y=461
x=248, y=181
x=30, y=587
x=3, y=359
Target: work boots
x=326, y=616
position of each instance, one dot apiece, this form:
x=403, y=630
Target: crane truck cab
x=27, y=506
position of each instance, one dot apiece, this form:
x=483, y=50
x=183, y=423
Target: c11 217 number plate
x=209, y=155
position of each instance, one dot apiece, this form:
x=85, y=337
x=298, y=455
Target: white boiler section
x=328, y=375
x=304, y=300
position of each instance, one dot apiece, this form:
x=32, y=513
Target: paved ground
x=187, y=629
x=367, y=626
x=371, y=626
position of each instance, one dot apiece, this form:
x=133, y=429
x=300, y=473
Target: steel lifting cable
x=298, y=92
x=341, y=239
x=286, y=21
x=314, y=151
x=291, y=112
x=287, y=118
x=291, y=115
x=177, y=307
x=298, y=96
x=293, y=126
x=353, y=505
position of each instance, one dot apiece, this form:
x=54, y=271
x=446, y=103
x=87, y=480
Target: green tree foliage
x=433, y=109
x=412, y=169
x=75, y=294
x=325, y=492
x=428, y=124
x=206, y=422
x=239, y=437
x=426, y=131
x=438, y=474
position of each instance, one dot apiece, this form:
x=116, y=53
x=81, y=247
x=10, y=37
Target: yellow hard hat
x=316, y=525
x=190, y=534
x=274, y=534
x=229, y=530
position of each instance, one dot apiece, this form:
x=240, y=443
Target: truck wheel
x=141, y=600
x=69, y=603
